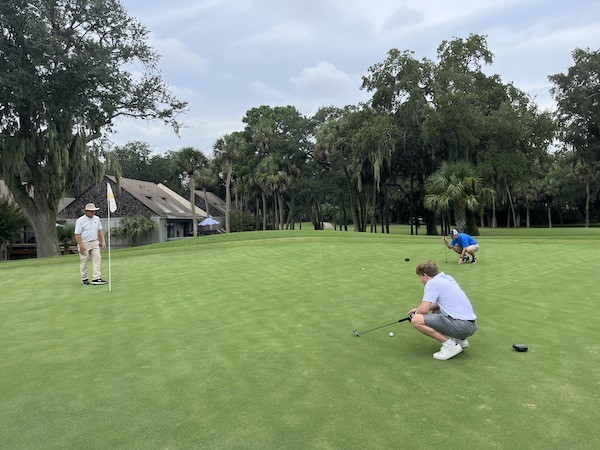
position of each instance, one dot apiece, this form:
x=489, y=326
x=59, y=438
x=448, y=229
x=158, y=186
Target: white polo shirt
x=451, y=299
x=88, y=228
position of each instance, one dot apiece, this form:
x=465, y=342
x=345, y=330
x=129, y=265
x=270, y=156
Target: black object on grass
x=520, y=347
x=406, y=259
x=358, y=333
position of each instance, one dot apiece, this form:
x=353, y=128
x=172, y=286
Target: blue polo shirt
x=463, y=240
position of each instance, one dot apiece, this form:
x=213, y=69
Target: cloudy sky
x=227, y=56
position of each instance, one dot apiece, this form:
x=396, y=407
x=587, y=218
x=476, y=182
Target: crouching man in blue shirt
x=464, y=245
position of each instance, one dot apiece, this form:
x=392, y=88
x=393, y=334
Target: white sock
x=450, y=342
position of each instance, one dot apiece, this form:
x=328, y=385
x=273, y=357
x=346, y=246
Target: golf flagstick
x=112, y=207
x=446, y=247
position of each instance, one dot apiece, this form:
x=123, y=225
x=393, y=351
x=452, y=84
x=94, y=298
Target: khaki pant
x=93, y=250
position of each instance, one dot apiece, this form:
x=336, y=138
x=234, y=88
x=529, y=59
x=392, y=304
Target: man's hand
x=104, y=244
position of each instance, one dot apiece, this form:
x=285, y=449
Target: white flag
x=112, y=204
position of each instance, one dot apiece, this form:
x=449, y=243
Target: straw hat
x=90, y=207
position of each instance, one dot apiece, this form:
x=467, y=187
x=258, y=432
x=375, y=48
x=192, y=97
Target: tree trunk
x=41, y=218
x=228, y=196
x=512, y=208
x=193, y=205
x=275, y=213
x=46, y=239
x=587, y=203
x=257, y=217
x=549, y=208
x=461, y=218
x=289, y=223
x=374, y=210
x=237, y=199
x=281, y=211
x=264, y=209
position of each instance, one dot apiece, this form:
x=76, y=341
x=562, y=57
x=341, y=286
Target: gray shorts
x=456, y=328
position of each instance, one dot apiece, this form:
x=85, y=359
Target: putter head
x=356, y=333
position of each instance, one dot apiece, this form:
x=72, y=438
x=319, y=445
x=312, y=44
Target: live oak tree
x=400, y=86
x=65, y=76
x=578, y=96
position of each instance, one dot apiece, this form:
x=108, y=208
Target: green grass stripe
x=245, y=341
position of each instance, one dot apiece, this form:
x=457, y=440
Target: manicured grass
x=245, y=341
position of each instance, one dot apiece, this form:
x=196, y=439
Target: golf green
x=245, y=341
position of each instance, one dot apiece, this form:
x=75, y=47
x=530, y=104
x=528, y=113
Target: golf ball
x=391, y=334
x=363, y=268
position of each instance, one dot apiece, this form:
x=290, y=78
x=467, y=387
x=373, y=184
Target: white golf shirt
x=451, y=299
x=88, y=228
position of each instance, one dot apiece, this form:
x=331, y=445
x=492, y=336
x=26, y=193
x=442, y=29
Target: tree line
x=439, y=142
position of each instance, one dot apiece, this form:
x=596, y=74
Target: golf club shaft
x=382, y=326
x=446, y=247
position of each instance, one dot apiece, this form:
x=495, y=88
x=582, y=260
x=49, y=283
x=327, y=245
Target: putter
x=358, y=333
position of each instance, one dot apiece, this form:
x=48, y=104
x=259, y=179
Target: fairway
x=245, y=341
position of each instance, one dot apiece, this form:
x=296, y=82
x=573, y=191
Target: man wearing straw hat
x=88, y=229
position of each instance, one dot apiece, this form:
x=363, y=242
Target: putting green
x=245, y=341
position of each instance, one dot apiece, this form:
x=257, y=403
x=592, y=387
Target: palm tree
x=586, y=173
x=272, y=181
x=456, y=187
x=135, y=227
x=206, y=178
x=188, y=160
x=528, y=192
x=66, y=236
x=547, y=193
x=227, y=151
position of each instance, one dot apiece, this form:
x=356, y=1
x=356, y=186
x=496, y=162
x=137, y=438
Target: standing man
x=456, y=320
x=462, y=244
x=88, y=229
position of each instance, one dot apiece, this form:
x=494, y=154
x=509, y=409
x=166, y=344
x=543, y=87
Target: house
x=216, y=207
x=171, y=212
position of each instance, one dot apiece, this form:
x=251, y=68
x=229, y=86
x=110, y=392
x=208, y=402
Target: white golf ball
x=363, y=268
x=391, y=334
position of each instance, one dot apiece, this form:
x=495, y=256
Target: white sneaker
x=448, y=351
x=464, y=343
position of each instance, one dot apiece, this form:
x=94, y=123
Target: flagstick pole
x=109, y=268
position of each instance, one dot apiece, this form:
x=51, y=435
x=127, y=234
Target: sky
x=225, y=57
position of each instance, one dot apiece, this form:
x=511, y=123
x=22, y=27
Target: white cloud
x=265, y=93
x=323, y=81
x=226, y=57
x=291, y=32
x=178, y=57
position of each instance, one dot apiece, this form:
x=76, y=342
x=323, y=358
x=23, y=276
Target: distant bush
x=12, y=221
x=135, y=227
x=241, y=221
